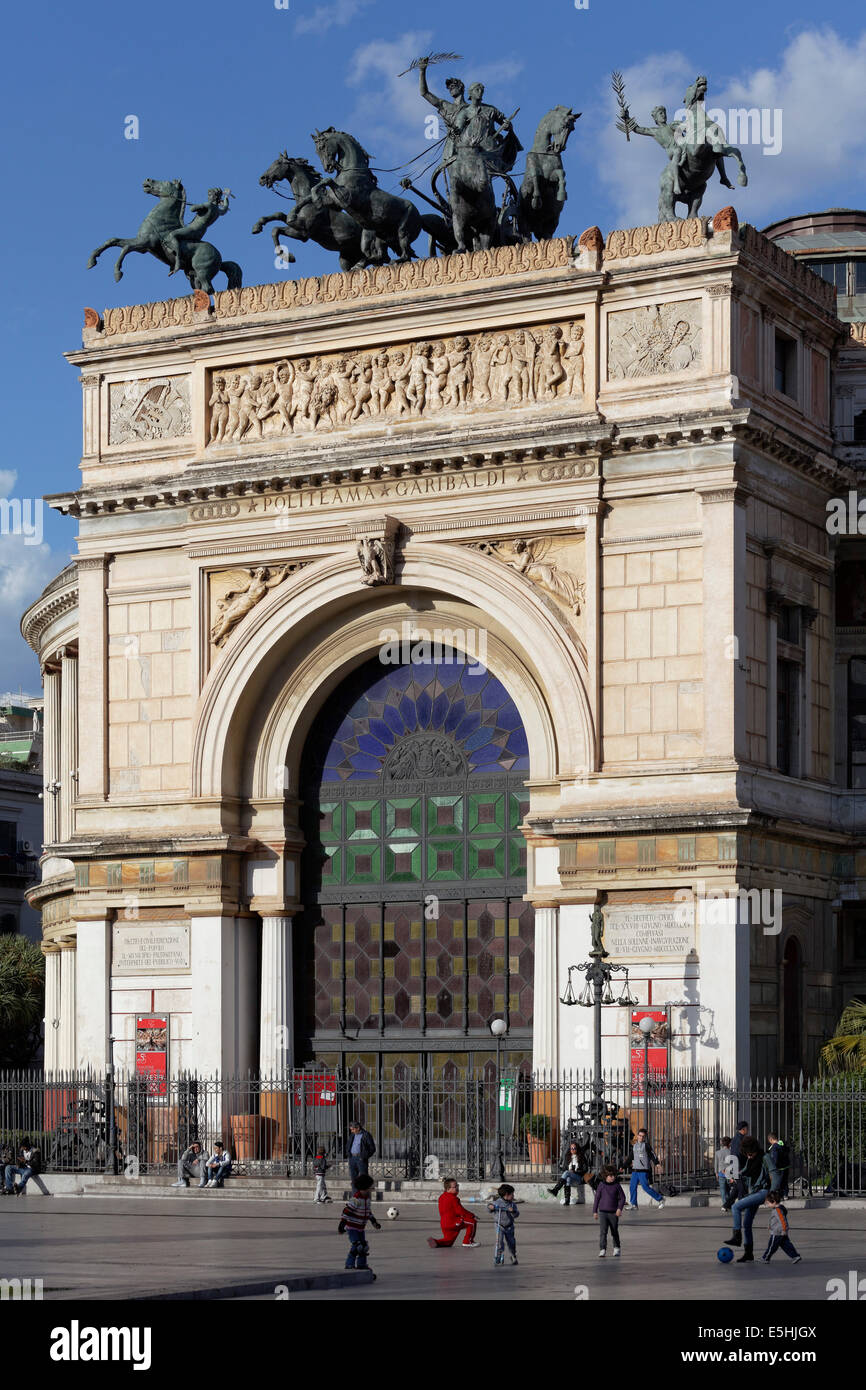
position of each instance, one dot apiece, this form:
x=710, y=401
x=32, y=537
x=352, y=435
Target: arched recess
x=263, y=692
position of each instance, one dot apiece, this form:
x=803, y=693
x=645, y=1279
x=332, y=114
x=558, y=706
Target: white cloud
x=390, y=111
x=325, y=17
x=818, y=87
x=24, y=572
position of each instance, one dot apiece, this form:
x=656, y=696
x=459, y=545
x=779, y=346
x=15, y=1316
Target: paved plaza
x=95, y=1248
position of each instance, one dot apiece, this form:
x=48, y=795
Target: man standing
x=448, y=110
x=359, y=1149
x=736, y=1189
x=643, y=1160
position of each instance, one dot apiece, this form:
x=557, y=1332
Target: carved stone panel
x=656, y=340
x=402, y=384
x=234, y=593
x=155, y=408
x=554, y=565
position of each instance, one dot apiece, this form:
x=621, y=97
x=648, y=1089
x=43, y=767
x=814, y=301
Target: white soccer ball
x=392, y=1213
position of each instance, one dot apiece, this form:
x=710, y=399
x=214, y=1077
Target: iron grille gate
x=431, y=1125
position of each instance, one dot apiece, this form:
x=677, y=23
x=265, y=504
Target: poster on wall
x=656, y=1058
x=151, y=1052
x=316, y=1094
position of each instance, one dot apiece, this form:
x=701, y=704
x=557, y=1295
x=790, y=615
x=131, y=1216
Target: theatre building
x=416, y=612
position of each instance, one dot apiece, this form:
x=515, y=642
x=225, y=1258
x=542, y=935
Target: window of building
x=789, y=624
x=787, y=717
x=860, y=277
x=7, y=836
x=857, y=722
x=836, y=272
x=8, y=924
x=785, y=379
x=860, y=427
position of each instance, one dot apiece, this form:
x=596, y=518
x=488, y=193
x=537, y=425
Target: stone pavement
x=85, y=1248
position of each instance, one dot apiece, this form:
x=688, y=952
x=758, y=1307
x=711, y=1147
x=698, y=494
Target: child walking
x=505, y=1209
x=356, y=1214
x=609, y=1202
x=780, y=1231
x=453, y=1217
x=320, y=1168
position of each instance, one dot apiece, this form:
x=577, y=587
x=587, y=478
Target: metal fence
x=429, y=1126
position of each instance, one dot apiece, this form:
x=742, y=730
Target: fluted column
x=52, y=1008
x=67, y=1058
x=277, y=1016
x=51, y=757
x=68, y=740
x=545, y=1006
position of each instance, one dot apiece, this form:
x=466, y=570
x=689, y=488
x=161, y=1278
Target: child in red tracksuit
x=453, y=1216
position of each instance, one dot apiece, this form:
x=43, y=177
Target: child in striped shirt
x=356, y=1214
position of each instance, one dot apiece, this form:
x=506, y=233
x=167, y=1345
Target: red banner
x=151, y=1052
x=655, y=1057
x=316, y=1089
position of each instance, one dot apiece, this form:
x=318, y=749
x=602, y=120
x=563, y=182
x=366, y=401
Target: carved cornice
x=50, y=606
x=345, y=287
x=652, y=241
x=787, y=268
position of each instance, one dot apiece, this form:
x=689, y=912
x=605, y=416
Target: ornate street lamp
x=597, y=990
x=499, y=1028
x=646, y=1026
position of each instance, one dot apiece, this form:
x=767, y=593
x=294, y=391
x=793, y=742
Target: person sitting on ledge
x=191, y=1165
x=218, y=1166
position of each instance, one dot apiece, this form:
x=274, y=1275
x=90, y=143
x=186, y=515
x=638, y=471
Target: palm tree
x=846, y=1050
x=22, y=999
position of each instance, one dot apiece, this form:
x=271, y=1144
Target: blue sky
x=220, y=89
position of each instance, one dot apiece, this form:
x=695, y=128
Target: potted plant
x=536, y=1128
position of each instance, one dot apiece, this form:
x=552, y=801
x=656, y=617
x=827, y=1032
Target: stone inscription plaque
x=653, y=930
x=150, y=948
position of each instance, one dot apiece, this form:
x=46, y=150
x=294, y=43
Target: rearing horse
x=314, y=219
x=395, y=221
x=200, y=260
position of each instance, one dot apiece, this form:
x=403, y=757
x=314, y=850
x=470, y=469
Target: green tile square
x=444, y=816
x=332, y=867
x=486, y=812
x=331, y=820
x=395, y=827
x=516, y=856
x=397, y=870
x=369, y=813
x=487, y=858
x=439, y=850
x=516, y=813
x=363, y=863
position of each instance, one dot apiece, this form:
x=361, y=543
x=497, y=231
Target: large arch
x=253, y=717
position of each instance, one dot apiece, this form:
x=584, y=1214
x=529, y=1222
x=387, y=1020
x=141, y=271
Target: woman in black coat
x=573, y=1166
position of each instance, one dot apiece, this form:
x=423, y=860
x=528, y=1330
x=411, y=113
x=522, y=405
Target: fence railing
x=428, y=1126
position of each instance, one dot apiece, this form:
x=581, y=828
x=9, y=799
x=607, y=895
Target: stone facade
x=583, y=456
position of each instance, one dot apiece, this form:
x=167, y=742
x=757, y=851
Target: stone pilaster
x=277, y=1024
x=68, y=741
x=93, y=673
x=52, y=1007
x=66, y=1040
x=545, y=1025
x=51, y=757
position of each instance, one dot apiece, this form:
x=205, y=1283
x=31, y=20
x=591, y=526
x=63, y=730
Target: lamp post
x=597, y=973
x=646, y=1026
x=499, y=1028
